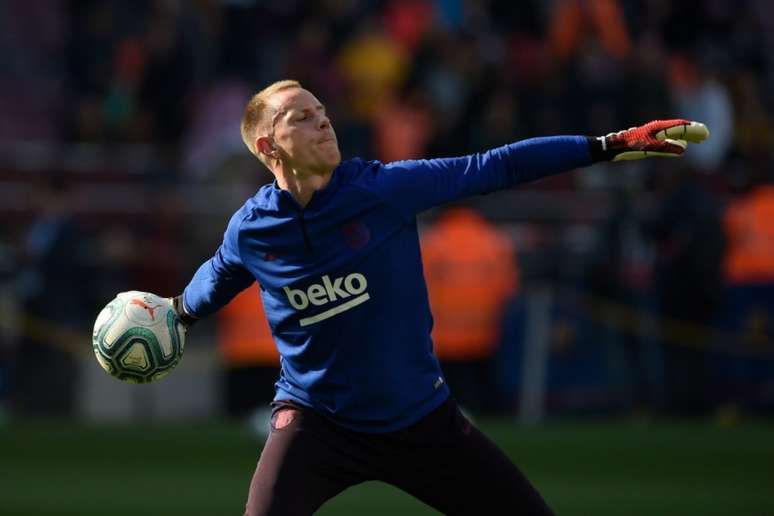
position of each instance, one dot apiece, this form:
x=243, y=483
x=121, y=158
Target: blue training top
x=341, y=279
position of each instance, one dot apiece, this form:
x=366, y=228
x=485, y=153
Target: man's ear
x=264, y=145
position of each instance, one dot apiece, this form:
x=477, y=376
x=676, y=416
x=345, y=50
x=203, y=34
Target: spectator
x=250, y=358
x=375, y=67
x=619, y=275
x=572, y=19
x=700, y=95
x=470, y=269
x=688, y=235
x=748, y=313
x=52, y=273
x=749, y=225
x=400, y=78
x=402, y=128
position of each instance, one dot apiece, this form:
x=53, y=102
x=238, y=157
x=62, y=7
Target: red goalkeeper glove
x=665, y=138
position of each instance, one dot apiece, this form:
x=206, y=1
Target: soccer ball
x=138, y=338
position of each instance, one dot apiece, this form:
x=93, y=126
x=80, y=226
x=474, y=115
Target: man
x=334, y=246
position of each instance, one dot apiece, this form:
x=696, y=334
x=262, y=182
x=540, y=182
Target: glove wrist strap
x=186, y=318
x=599, y=149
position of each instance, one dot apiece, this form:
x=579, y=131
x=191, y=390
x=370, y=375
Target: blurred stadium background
x=610, y=328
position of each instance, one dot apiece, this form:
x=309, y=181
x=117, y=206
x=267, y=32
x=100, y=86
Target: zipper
x=307, y=243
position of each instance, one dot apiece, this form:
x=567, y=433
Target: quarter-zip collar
x=286, y=201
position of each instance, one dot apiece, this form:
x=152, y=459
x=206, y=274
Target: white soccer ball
x=138, y=337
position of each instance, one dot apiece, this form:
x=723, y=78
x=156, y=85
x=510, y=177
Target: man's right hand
x=186, y=319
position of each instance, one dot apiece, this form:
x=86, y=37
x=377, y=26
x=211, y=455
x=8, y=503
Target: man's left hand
x=660, y=138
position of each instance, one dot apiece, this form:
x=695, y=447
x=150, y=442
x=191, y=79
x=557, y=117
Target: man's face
x=303, y=133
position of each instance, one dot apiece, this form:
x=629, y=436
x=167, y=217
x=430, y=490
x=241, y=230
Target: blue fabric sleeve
x=414, y=186
x=220, y=278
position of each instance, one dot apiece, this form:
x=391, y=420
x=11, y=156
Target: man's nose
x=325, y=122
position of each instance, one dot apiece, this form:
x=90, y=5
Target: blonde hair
x=256, y=115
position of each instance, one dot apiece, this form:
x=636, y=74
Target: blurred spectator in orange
x=744, y=380
x=749, y=224
x=402, y=128
x=249, y=355
x=571, y=20
x=471, y=272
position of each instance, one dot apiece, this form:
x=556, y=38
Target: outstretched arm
x=416, y=185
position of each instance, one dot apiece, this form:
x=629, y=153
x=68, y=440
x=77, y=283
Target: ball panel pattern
x=138, y=338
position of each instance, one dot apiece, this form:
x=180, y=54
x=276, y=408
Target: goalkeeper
x=334, y=247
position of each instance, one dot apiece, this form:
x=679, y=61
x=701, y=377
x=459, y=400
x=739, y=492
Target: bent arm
x=215, y=283
x=219, y=279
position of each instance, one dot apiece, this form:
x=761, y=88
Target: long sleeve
x=220, y=278
x=416, y=185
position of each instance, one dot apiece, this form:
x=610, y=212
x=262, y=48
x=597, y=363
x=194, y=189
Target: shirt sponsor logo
x=351, y=287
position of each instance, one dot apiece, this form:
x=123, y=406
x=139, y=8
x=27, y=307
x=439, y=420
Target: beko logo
x=346, y=287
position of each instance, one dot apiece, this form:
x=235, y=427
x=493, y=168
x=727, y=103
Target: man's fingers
x=642, y=154
x=694, y=132
x=669, y=148
x=678, y=146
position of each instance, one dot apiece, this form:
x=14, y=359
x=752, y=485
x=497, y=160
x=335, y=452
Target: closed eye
x=307, y=113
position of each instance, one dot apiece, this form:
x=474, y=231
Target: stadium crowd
x=665, y=270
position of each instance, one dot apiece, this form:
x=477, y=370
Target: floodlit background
x=610, y=328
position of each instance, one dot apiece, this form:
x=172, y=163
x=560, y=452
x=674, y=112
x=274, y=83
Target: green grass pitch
x=67, y=469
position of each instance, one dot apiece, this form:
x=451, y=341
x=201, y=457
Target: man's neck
x=302, y=185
